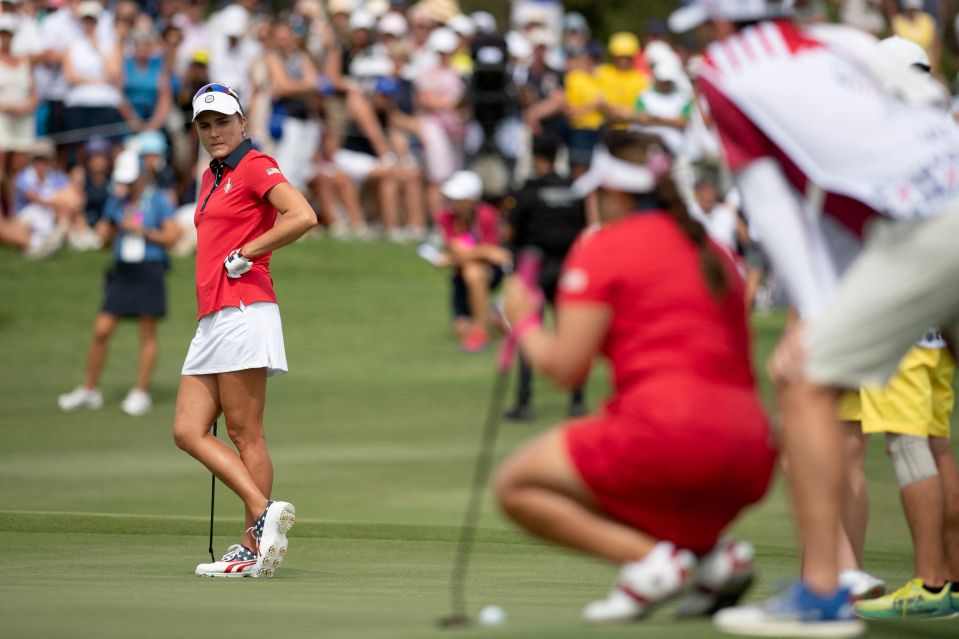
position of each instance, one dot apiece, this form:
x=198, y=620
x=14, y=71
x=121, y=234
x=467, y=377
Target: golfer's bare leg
x=242, y=397
x=197, y=405
x=540, y=490
x=812, y=444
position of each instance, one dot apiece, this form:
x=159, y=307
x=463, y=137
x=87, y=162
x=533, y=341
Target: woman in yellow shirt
x=583, y=102
x=619, y=80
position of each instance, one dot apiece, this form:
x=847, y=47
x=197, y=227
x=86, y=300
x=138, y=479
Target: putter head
x=454, y=621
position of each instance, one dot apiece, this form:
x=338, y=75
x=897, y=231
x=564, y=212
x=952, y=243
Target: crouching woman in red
x=682, y=446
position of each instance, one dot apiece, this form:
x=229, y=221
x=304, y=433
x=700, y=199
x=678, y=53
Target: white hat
x=668, y=72
x=89, y=9
x=529, y=14
x=912, y=4
x=341, y=6
x=126, y=170
x=541, y=37
x=462, y=25
x=376, y=8
x=697, y=12
x=518, y=46
x=612, y=173
x=362, y=20
x=657, y=52
x=463, y=185
x=484, y=21
x=216, y=97
x=9, y=22
x=904, y=52
x=393, y=24
x=234, y=21
x=443, y=40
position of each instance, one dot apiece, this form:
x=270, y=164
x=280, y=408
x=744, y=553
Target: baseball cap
x=912, y=4
x=151, y=143
x=89, y=9
x=126, y=169
x=696, y=12
x=668, y=72
x=341, y=6
x=484, y=22
x=9, y=22
x=904, y=52
x=234, y=21
x=443, y=40
x=361, y=19
x=574, y=21
x=623, y=44
x=216, y=97
x=97, y=146
x=540, y=37
x=201, y=56
x=463, y=25
x=393, y=24
x=463, y=185
x=518, y=46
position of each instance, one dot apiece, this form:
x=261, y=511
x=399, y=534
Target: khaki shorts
x=904, y=281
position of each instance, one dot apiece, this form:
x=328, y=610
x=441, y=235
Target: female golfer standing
x=683, y=445
x=239, y=341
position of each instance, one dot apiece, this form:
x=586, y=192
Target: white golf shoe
x=81, y=397
x=722, y=577
x=660, y=576
x=862, y=585
x=136, y=403
x=237, y=562
x=270, y=531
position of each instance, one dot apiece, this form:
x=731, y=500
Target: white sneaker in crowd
x=660, y=576
x=136, y=403
x=722, y=577
x=862, y=585
x=81, y=397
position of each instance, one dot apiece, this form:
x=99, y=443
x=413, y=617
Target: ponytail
x=636, y=147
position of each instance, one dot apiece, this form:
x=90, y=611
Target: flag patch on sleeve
x=272, y=170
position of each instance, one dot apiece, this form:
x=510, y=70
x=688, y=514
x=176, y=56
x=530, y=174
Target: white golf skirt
x=235, y=339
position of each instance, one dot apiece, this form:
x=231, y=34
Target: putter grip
x=527, y=269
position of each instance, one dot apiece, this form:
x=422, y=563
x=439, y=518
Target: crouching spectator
x=144, y=228
x=46, y=204
x=471, y=231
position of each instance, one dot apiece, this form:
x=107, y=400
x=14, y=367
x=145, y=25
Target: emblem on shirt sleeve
x=272, y=171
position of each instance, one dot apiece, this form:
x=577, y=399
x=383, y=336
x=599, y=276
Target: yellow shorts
x=917, y=401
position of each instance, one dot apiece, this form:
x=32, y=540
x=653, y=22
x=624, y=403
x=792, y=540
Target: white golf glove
x=236, y=265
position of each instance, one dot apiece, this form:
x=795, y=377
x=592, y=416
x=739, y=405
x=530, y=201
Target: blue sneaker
x=270, y=531
x=796, y=612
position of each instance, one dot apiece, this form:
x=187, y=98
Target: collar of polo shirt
x=235, y=156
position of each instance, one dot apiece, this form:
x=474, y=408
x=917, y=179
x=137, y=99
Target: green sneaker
x=912, y=600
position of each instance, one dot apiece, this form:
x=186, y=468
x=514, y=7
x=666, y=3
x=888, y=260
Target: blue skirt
x=135, y=290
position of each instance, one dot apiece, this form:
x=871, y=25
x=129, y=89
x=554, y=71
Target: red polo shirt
x=232, y=211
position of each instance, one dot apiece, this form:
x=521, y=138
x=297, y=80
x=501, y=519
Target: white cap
x=904, y=52
x=658, y=51
x=530, y=13
x=234, y=21
x=9, y=22
x=912, y=4
x=362, y=20
x=668, y=72
x=89, y=9
x=612, y=173
x=518, y=46
x=443, y=40
x=376, y=8
x=341, y=6
x=218, y=101
x=393, y=24
x=463, y=185
x=541, y=37
x=126, y=170
x=462, y=25
x=484, y=21
x=697, y=12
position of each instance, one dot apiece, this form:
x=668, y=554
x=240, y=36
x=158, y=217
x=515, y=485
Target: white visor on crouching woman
x=609, y=172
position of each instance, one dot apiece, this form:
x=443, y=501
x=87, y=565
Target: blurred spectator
x=576, y=32
x=619, y=80
x=146, y=84
x=295, y=93
x=471, y=235
x=92, y=68
x=549, y=216
x=913, y=23
x=463, y=26
x=866, y=15
x=719, y=220
x=233, y=53
x=93, y=178
x=583, y=101
x=439, y=95
x=18, y=101
x=664, y=109
x=26, y=39
x=45, y=201
x=540, y=89
x=144, y=228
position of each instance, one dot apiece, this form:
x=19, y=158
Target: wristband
x=531, y=321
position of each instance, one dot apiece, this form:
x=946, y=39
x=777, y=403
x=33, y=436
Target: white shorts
x=16, y=132
x=236, y=339
x=355, y=164
x=903, y=282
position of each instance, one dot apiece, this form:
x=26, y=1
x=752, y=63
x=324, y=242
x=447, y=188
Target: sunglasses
x=216, y=87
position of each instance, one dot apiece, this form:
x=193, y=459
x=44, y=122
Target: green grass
x=373, y=436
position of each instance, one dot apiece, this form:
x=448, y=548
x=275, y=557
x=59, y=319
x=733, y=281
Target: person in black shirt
x=547, y=215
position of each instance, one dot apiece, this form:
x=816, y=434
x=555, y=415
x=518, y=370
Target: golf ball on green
x=492, y=616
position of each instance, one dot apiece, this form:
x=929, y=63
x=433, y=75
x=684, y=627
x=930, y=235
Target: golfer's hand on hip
x=236, y=265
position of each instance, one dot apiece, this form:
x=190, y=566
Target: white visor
x=612, y=173
x=215, y=101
